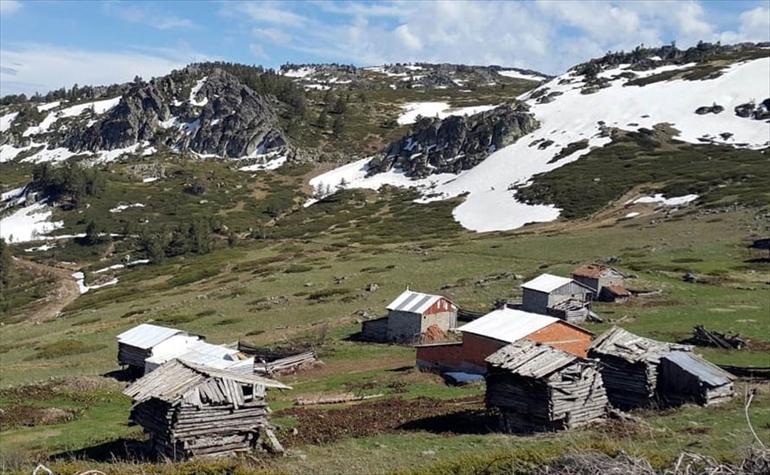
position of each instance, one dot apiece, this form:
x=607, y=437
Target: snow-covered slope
x=573, y=116
x=412, y=110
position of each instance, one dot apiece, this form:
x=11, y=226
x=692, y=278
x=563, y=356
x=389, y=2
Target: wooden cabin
x=630, y=366
x=409, y=316
x=608, y=283
x=486, y=335
x=686, y=377
x=536, y=387
x=557, y=296
x=136, y=345
x=191, y=411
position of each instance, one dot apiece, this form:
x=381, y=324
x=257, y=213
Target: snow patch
x=29, y=223
x=121, y=208
x=44, y=247
x=271, y=164
x=80, y=278
x=7, y=120
x=98, y=107
x=514, y=74
x=194, y=93
x=435, y=109
x=48, y=106
x=298, y=73
x=659, y=198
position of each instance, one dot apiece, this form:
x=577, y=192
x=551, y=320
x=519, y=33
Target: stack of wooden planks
x=287, y=365
x=534, y=387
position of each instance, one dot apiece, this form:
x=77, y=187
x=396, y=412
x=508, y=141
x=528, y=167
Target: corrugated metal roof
x=633, y=348
x=708, y=373
x=529, y=359
x=213, y=356
x=508, y=324
x=146, y=335
x=193, y=350
x=413, y=302
x=546, y=283
x=172, y=347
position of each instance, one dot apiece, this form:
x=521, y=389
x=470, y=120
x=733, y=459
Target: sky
x=45, y=45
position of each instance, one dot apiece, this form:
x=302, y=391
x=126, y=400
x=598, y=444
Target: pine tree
x=6, y=264
x=339, y=106
x=322, y=119
x=338, y=127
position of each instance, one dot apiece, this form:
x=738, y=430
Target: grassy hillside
x=722, y=176
x=312, y=287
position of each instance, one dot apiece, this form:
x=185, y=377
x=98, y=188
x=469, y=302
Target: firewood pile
x=704, y=337
x=287, y=365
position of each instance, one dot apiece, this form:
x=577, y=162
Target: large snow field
x=28, y=223
x=435, y=109
x=491, y=206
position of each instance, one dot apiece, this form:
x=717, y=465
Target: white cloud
x=258, y=51
x=408, y=39
x=154, y=18
x=265, y=12
x=9, y=7
x=41, y=68
x=274, y=35
x=754, y=26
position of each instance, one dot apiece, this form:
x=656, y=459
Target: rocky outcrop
x=712, y=109
x=455, y=143
x=642, y=58
x=752, y=110
x=207, y=112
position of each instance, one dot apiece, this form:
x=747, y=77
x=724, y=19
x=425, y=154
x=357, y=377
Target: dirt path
x=64, y=293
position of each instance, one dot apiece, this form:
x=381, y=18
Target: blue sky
x=49, y=44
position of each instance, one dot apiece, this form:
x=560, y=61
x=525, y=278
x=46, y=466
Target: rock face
x=455, y=143
x=205, y=112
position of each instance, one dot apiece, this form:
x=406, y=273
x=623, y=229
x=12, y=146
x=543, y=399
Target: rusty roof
x=618, y=290
x=594, y=271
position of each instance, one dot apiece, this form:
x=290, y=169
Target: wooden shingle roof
x=177, y=380
x=633, y=348
x=529, y=359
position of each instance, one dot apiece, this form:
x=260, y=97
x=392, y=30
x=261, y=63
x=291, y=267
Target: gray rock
x=712, y=109
x=233, y=120
x=454, y=144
